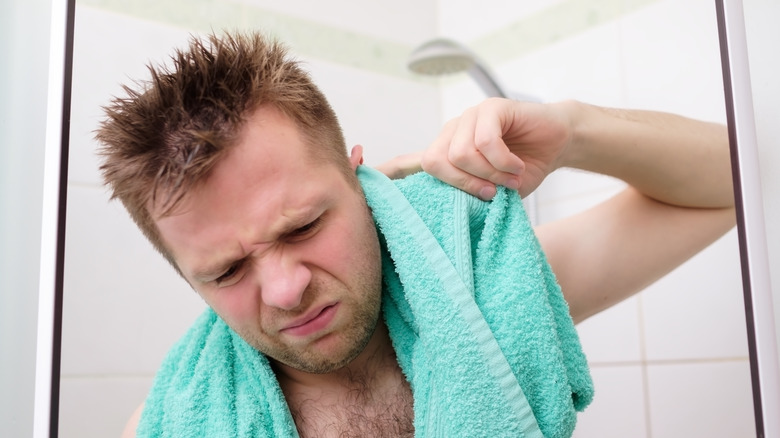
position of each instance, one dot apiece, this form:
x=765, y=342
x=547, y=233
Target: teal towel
x=479, y=326
x=478, y=322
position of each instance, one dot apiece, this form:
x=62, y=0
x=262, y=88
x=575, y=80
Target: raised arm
x=679, y=197
x=679, y=200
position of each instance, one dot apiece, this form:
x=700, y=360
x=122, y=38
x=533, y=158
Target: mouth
x=312, y=322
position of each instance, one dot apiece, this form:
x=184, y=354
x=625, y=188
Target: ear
x=356, y=156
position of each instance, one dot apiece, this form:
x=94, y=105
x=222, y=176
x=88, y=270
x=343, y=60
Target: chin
x=325, y=357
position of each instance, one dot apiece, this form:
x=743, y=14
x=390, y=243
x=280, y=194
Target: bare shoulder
x=132, y=423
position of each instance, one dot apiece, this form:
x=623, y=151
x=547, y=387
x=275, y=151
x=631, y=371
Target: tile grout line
x=102, y=376
x=643, y=360
x=661, y=362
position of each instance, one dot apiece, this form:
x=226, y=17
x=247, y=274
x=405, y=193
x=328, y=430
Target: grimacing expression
x=283, y=249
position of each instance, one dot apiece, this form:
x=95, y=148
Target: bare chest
x=358, y=414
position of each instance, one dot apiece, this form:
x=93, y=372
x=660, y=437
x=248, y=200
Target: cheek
x=349, y=247
x=332, y=251
x=236, y=307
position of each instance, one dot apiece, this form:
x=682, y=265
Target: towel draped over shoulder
x=479, y=325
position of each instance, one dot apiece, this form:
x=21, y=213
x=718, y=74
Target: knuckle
x=429, y=163
x=482, y=141
x=458, y=157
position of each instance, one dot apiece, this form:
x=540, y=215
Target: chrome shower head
x=443, y=56
x=440, y=57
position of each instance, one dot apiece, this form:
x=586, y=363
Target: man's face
x=284, y=251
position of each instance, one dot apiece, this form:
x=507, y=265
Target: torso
x=370, y=407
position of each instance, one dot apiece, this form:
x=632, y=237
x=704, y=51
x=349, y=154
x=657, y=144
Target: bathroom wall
x=670, y=362
x=24, y=43
x=761, y=32
x=124, y=306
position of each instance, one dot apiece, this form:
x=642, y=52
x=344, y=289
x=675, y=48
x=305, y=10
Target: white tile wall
x=669, y=362
x=468, y=20
x=614, y=337
x=124, y=306
x=109, y=50
x=701, y=399
x=619, y=407
x=407, y=21
x=696, y=311
x=585, y=66
x=372, y=114
x=664, y=46
x=99, y=406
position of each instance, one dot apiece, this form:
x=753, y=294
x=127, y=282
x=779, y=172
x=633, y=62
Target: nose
x=282, y=280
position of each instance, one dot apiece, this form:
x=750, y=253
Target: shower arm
x=485, y=81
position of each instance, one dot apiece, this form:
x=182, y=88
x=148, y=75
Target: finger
x=488, y=139
x=487, y=158
x=402, y=165
x=456, y=177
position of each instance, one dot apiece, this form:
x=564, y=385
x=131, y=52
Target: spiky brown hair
x=163, y=138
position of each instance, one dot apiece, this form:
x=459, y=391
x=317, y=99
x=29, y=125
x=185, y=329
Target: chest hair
x=361, y=411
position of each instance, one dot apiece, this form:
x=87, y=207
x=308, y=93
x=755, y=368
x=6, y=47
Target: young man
x=234, y=166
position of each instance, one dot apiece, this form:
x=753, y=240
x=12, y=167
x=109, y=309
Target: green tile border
x=304, y=37
x=366, y=52
x=551, y=25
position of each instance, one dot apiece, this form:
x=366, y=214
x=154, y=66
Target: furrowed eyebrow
x=301, y=218
x=209, y=274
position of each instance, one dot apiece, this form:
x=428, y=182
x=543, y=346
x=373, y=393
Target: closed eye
x=228, y=275
x=306, y=230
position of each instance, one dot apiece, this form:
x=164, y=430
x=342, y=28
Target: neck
x=368, y=397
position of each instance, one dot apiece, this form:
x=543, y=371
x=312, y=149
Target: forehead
x=264, y=185
x=268, y=143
